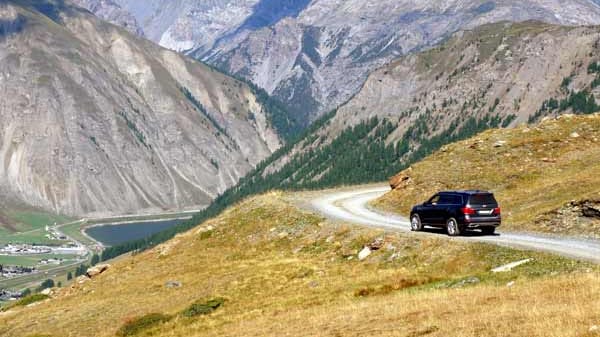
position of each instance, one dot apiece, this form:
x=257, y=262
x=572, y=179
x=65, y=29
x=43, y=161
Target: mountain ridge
x=315, y=56
x=98, y=121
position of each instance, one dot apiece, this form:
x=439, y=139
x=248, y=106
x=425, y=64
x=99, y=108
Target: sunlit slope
x=282, y=271
x=545, y=177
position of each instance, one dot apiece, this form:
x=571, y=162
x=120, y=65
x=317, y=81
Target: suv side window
x=457, y=200
x=446, y=199
x=434, y=200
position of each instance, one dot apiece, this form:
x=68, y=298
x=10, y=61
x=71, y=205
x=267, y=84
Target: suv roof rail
x=467, y=191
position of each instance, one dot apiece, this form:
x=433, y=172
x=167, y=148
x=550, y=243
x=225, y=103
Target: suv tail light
x=468, y=211
x=496, y=211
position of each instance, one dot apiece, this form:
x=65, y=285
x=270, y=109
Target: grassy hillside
x=544, y=176
x=265, y=268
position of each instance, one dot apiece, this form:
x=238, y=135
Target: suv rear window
x=482, y=199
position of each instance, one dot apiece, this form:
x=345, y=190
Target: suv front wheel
x=452, y=227
x=415, y=223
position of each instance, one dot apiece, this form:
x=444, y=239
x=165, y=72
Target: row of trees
x=580, y=102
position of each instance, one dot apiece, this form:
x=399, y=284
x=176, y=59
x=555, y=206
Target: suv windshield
x=482, y=199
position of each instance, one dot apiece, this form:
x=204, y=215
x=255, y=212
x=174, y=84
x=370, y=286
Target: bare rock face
x=315, y=55
x=94, y=120
x=110, y=11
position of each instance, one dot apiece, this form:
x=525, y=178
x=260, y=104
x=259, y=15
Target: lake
x=111, y=235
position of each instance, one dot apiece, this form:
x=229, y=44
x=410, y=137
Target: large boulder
x=97, y=270
x=401, y=179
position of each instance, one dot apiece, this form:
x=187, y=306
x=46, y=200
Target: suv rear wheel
x=415, y=223
x=452, y=227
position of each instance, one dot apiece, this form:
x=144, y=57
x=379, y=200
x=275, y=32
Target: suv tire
x=415, y=223
x=453, y=227
x=488, y=230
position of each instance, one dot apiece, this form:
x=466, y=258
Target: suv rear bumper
x=481, y=224
x=478, y=222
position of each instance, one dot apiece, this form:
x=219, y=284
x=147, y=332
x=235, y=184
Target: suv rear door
x=484, y=205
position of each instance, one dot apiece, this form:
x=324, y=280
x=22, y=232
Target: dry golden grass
x=537, y=171
x=284, y=272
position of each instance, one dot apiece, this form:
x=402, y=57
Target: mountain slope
x=498, y=75
x=314, y=55
x=96, y=120
x=284, y=272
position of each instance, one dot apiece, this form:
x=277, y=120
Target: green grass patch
x=203, y=308
x=73, y=230
x=29, y=227
x=34, y=220
x=140, y=324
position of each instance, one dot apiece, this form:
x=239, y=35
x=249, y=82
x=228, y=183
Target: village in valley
x=48, y=251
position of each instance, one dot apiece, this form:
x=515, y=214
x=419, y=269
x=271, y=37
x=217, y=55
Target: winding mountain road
x=354, y=207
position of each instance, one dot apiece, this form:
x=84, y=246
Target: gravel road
x=352, y=206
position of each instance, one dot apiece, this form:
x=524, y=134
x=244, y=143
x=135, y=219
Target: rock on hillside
x=96, y=120
x=315, y=55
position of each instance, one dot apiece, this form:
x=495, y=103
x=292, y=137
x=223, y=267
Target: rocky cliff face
x=96, y=120
x=110, y=11
x=314, y=55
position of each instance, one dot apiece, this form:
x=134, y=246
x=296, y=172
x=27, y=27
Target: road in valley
x=353, y=206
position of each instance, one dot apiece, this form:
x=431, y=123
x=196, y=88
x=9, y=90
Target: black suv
x=458, y=211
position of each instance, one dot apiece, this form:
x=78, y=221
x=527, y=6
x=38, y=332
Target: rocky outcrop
x=401, y=179
x=97, y=270
x=574, y=215
x=94, y=120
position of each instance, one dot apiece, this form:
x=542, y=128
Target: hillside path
x=353, y=206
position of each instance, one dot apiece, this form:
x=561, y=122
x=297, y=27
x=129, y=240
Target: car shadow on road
x=469, y=233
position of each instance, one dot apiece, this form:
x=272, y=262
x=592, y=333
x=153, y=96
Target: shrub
x=205, y=308
x=27, y=300
x=49, y=283
x=364, y=292
x=134, y=326
x=399, y=284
